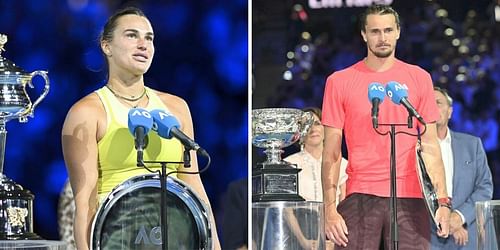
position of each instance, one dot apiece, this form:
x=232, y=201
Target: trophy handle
x=45, y=90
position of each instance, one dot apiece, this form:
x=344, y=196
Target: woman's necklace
x=130, y=99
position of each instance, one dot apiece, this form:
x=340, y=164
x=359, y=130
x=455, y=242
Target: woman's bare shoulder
x=89, y=103
x=88, y=108
x=174, y=103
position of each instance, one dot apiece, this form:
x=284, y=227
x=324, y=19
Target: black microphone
x=376, y=95
x=399, y=95
x=139, y=124
x=167, y=126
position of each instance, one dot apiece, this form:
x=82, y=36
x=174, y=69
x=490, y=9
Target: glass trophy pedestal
x=33, y=244
x=488, y=225
x=287, y=225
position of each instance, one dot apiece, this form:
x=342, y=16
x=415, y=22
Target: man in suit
x=467, y=175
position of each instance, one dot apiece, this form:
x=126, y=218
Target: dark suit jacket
x=471, y=182
x=235, y=221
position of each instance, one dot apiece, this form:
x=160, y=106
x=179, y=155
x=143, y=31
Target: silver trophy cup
x=16, y=203
x=274, y=129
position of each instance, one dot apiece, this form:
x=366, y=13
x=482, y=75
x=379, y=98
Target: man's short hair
x=378, y=9
x=446, y=95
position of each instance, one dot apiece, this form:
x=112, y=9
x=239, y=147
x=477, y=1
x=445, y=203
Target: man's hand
x=335, y=227
x=443, y=220
x=461, y=236
x=455, y=222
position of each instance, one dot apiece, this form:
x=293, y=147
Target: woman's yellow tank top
x=117, y=156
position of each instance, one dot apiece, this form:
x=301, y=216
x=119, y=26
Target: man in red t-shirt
x=362, y=220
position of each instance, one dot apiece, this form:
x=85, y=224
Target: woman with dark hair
x=98, y=149
x=309, y=160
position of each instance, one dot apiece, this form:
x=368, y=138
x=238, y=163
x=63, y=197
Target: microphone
x=399, y=95
x=167, y=126
x=139, y=124
x=376, y=95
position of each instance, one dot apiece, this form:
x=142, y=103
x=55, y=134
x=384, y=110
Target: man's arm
x=431, y=152
x=335, y=227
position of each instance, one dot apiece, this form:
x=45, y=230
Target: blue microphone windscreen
x=395, y=91
x=138, y=117
x=376, y=90
x=164, y=122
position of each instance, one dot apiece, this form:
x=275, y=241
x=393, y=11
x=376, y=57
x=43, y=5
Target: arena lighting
x=497, y=13
x=463, y=49
x=323, y=4
x=287, y=75
x=441, y=13
x=445, y=68
x=460, y=78
x=449, y=32
x=482, y=48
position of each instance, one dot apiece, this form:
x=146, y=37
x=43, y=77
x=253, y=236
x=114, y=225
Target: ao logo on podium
x=153, y=237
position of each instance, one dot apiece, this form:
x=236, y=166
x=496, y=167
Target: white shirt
x=310, y=177
x=447, y=155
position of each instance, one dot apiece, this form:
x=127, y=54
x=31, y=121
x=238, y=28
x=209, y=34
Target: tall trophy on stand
x=274, y=129
x=16, y=203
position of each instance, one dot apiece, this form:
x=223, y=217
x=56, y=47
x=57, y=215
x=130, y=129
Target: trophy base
x=16, y=208
x=25, y=236
x=275, y=182
x=276, y=197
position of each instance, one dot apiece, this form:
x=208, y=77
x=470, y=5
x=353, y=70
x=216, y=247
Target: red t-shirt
x=346, y=106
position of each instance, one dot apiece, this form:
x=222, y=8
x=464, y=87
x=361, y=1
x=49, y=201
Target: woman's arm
x=181, y=110
x=294, y=226
x=79, y=144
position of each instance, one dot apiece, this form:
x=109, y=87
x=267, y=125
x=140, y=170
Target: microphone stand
x=163, y=196
x=393, y=194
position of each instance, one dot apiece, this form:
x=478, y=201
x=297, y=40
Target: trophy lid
x=11, y=190
x=6, y=66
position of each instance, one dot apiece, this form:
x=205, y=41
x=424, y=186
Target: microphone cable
x=209, y=161
x=418, y=134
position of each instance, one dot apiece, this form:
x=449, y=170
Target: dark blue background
x=201, y=56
